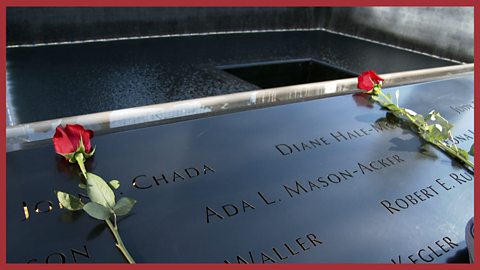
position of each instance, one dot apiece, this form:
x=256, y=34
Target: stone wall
x=442, y=31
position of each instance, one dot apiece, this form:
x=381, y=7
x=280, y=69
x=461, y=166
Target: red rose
x=368, y=79
x=71, y=140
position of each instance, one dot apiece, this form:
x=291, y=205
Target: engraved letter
x=210, y=213
x=61, y=255
x=74, y=251
x=231, y=206
x=286, y=149
x=265, y=199
x=297, y=191
x=389, y=206
x=135, y=182
x=192, y=174
x=38, y=210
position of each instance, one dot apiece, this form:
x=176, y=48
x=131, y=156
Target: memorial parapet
x=322, y=181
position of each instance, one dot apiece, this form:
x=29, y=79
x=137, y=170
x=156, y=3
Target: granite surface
x=232, y=187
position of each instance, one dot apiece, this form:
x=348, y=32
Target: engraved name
x=303, y=187
x=146, y=182
x=462, y=108
x=282, y=252
x=139, y=182
x=43, y=207
x=286, y=149
x=299, y=188
x=60, y=257
x=427, y=193
x=459, y=138
x=429, y=253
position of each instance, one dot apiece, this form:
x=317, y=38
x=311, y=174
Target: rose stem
x=80, y=160
x=437, y=143
x=119, y=243
x=113, y=228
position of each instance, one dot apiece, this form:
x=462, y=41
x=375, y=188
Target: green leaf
x=114, y=184
x=439, y=127
x=97, y=211
x=471, y=150
x=82, y=186
x=123, y=206
x=444, y=123
x=392, y=107
x=87, y=155
x=436, y=133
x=436, y=118
x=397, y=95
x=69, y=156
x=419, y=119
x=69, y=201
x=99, y=191
x=445, y=132
x=463, y=153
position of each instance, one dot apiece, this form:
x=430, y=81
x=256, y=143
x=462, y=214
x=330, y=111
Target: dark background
x=48, y=82
x=442, y=31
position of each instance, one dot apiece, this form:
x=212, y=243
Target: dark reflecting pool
x=283, y=73
x=49, y=82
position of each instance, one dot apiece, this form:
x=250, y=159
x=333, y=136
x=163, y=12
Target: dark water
x=284, y=73
x=57, y=81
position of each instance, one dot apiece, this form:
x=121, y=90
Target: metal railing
x=18, y=136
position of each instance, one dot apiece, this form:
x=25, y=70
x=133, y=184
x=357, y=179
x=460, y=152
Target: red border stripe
x=286, y=3
x=77, y=3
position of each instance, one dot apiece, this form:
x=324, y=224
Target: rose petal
x=86, y=136
x=367, y=79
x=364, y=82
x=377, y=77
x=374, y=76
x=75, y=132
x=61, y=142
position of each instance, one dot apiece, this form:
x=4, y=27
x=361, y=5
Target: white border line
x=226, y=33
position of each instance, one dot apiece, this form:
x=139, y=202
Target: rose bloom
x=68, y=140
x=368, y=79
